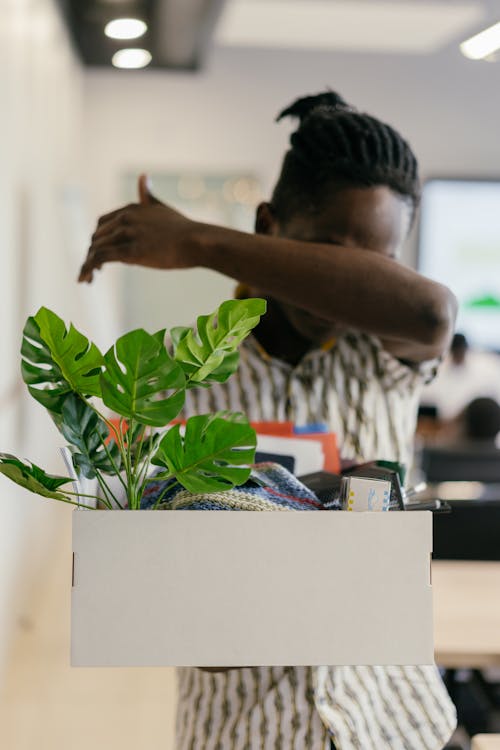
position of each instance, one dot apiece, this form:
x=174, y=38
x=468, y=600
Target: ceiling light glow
x=131, y=58
x=483, y=44
x=125, y=28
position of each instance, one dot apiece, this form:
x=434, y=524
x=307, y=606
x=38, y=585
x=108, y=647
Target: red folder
x=286, y=429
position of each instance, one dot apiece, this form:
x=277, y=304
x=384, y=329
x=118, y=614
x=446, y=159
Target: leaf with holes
x=86, y=433
x=39, y=371
x=57, y=361
x=209, y=354
x=213, y=455
x=138, y=373
x=32, y=477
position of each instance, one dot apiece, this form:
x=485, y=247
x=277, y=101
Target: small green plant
x=145, y=384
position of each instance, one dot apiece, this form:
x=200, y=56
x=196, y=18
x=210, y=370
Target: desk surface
x=486, y=742
x=466, y=613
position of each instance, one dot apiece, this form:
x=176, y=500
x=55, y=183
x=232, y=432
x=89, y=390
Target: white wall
x=222, y=119
x=40, y=142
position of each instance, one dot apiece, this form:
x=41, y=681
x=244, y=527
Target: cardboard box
x=207, y=588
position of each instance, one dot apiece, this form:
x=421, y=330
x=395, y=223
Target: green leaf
x=57, y=361
x=210, y=354
x=230, y=416
x=39, y=371
x=32, y=477
x=85, y=431
x=223, y=372
x=138, y=373
x=79, y=361
x=211, y=454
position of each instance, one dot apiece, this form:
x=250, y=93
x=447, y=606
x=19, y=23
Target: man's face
x=371, y=218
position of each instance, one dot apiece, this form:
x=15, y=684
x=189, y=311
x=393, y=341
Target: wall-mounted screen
x=460, y=247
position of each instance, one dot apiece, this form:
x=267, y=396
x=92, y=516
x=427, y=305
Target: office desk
x=466, y=613
x=486, y=742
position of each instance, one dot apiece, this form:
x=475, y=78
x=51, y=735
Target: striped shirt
x=369, y=399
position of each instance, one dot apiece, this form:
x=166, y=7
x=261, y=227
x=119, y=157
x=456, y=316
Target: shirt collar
x=323, y=349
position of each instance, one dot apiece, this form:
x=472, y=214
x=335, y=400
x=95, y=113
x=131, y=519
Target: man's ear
x=265, y=219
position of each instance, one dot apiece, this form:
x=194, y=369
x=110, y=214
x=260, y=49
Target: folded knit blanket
x=270, y=487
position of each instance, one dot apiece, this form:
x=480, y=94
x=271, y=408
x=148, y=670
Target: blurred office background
x=75, y=131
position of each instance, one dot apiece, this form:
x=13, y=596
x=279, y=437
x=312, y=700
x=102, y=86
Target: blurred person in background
x=476, y=426
x=465, y=374
x=349, y=339
x=481, y=420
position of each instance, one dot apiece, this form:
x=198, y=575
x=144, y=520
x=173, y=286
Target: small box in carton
x=201, y=588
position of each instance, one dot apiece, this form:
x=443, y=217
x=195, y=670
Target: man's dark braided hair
x=336, y=144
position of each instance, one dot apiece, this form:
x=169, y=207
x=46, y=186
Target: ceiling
x=180, y=32
x=347, y=25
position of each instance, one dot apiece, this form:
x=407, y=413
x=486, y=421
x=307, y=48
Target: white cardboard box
x=181, y=588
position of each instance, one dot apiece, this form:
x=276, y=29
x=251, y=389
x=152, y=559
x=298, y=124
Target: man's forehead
x=373, y=218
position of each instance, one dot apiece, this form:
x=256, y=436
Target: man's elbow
x=439, y=316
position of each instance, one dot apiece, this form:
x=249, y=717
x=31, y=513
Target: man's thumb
x=145, y=195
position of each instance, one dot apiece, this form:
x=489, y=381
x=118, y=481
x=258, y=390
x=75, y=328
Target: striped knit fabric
x=369, y=399
x=270, y=487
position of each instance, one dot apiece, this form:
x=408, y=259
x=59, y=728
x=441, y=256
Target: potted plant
x=144, y=383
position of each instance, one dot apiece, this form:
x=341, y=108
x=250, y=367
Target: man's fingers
x=112, y=214
x=107, y=228
x=86, y=274
x=109, y=253
x=97, y=257
x=117, y=231
x=120, y=246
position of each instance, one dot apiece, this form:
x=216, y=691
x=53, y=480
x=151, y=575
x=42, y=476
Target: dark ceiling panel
x=179, y=31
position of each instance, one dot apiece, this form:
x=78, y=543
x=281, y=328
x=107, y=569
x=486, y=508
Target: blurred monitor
x=469, y=462
x=459, y=245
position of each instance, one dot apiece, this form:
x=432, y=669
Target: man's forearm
x=356, y=288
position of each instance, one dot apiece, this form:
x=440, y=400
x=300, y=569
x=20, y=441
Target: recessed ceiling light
x=131, y=58
x=125, y=28
x=483, y=44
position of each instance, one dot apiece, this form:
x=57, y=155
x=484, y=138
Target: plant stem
x=125, y=462
x=106, y=491
x=164, y=492
x=78, y=505
x=131, y=469
x=103, y=499
x=113, y=462
x=140, y=470
x=139, y=448
x=81, y=494
x=121, y=447
x=144, y=479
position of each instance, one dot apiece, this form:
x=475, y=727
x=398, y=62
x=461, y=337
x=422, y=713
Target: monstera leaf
x=57, y=361
x=138, y=373
x=43, y=377
x=86, y=432
x=32, y=477
x=210, y=355
x=210, y=455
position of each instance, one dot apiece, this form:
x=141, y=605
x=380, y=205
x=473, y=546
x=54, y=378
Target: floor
x=48, y=705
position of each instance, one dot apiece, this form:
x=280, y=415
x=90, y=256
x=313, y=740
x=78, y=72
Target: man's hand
x=148, y=233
